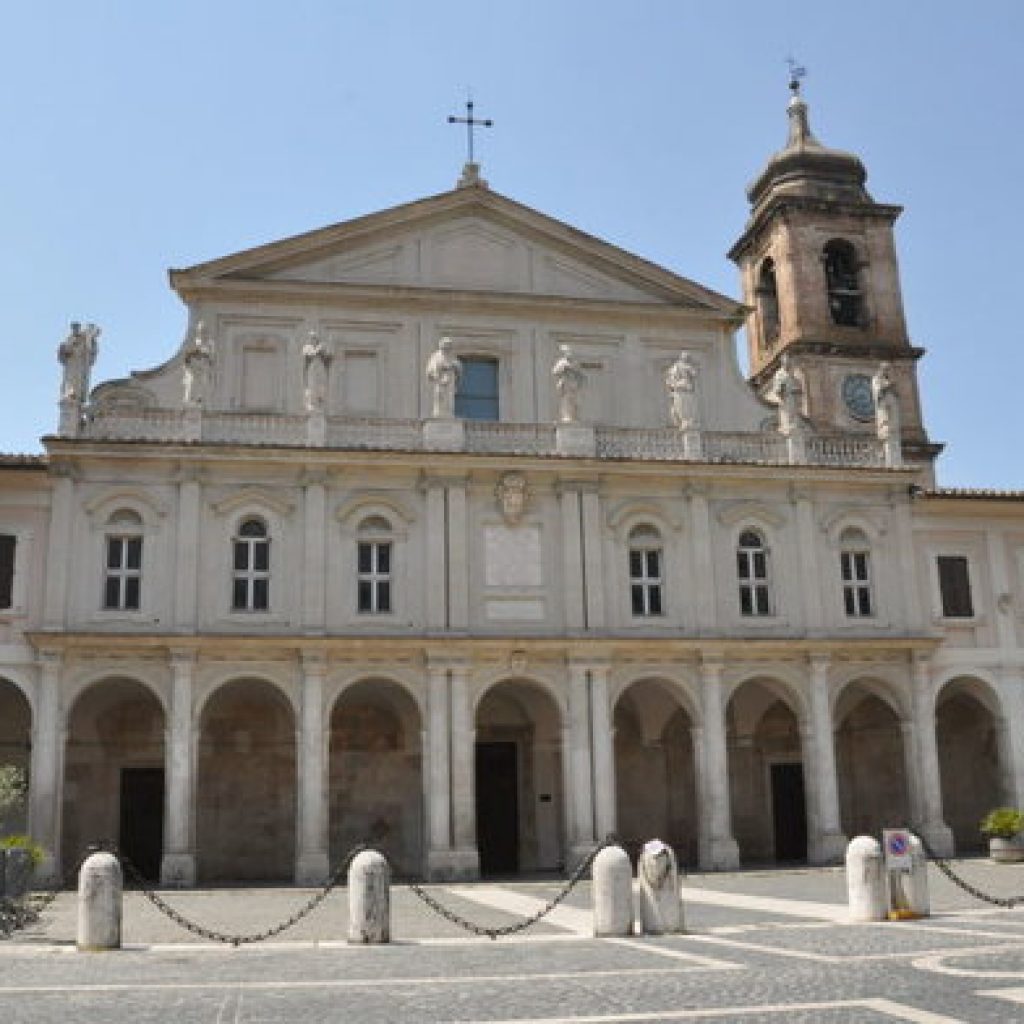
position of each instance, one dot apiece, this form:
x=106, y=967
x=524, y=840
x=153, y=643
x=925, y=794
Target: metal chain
x=1006, y=902
x=511, y=929
x=238, y=939
x=18, y=914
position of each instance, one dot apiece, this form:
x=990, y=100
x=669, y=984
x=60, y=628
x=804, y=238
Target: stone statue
x=317, y=361
x=444, y=371
x=887, y=403
x=681, y=384
x=787, y=392
x=198, y=369
x=77, y=353
x=512, y=494
x=569, y=381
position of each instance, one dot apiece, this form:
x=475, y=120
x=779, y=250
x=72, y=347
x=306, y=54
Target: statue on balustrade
x=787, y=392
x=444, y=370
x=569, y=382
x=887, y=403
x=77, y=353
x=681, y=384
x=317, y=361
x=198, y=369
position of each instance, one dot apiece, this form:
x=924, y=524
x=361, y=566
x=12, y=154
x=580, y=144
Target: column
x=593, y=544
x=315, y=551
x=572, y=556
x=1011, y=692
x=311, y=861
x=466, y=859
x=436, y=769
x=927, y=781
x=187, y=552
x=718, y=849
x=436, y=551
x=55, y=602
x=46, y=769
x=178, y=865
x=701, y=554
x=604, y=752
x=827, y=842
x=580, y=788
x=458, y=556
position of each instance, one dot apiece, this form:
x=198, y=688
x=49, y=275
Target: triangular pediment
x=470, y=239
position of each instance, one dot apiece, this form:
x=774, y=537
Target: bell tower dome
x=821, y=280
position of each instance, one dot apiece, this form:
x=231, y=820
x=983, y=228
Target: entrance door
x=141, y=835
x=788, y=812
x=497, y=807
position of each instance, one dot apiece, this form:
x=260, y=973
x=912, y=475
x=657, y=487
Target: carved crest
x=513, y=495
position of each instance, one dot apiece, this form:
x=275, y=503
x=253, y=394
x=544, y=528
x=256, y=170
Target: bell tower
x=820, y=276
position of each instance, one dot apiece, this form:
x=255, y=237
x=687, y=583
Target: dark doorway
x=142, y=818
x=497, y=807
x=789, y=812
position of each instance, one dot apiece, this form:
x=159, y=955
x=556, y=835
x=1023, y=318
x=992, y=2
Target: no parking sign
x=896, y=843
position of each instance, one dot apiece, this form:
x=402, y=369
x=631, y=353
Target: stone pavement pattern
x=761, y=947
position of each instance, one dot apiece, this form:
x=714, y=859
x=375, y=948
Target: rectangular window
x=373, y=585
x=7, y=548
x=955, y=587
x=645, y=581
x=250, y=582
x=755, y=590
x=477, y=395
x=122, y=585
x=856, y=574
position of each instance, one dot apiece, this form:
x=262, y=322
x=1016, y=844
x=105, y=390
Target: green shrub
x=1002, y=823
x=35, y=851
x=12, y=790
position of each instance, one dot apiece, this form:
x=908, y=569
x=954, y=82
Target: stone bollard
x=661, y=908
x=865, y=880
x=100, y=888
x=613, y=892
x=917, y=883
x=369, y=899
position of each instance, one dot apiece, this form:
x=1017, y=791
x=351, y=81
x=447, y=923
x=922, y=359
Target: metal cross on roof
x=470, y=122
x=796, y=72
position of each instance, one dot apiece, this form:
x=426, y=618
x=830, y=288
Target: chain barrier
x=16, y=915
x=1006, y=902
x=504, y=931
x=229, y=938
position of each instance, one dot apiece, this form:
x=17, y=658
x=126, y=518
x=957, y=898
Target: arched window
x=250, y=579
x=122, y=576
x=476, y=397
x=855, y=571
x=374, y=566
x=753, y=574
x=767, y=294
x=842, y=279
x=645, y=571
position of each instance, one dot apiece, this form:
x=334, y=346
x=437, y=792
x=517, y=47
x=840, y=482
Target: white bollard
x=100, y=903
x=865, y=880
x=369, y=899
x=917, y=883
x=613, y=892
x=661, y=906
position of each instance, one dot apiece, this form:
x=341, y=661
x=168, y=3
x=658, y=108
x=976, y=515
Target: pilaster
x=186, y=564
x=315, y=551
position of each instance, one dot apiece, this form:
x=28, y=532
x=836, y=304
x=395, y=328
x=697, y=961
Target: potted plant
x=1003, y=827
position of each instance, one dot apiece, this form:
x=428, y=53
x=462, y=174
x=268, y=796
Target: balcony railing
x=483, y=437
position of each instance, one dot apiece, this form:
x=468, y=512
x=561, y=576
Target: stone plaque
x=512, y=556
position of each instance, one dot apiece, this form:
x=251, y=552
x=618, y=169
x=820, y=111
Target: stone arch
x=15, y=745
x=655, y=767
x=974, y=760
x=246, y=782
x=872, y=756
x=213, y=686
x=114, y=771
x=375, y=774
x=519, y=777
x=766, y=769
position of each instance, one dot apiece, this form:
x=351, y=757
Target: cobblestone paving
x=966, y=963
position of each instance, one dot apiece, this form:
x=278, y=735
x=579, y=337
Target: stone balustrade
x=364, y=432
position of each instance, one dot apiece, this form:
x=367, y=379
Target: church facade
x=458, y=531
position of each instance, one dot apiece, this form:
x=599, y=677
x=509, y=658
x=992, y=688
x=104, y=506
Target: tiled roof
x=977, y=493
x=13, y=460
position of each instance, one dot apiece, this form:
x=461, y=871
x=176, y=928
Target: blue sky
x=142, y=136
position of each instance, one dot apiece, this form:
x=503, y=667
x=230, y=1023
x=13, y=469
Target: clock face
x=857, y=396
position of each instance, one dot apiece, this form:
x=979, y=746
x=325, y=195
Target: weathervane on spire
x=796, y=72
x=470, y=122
